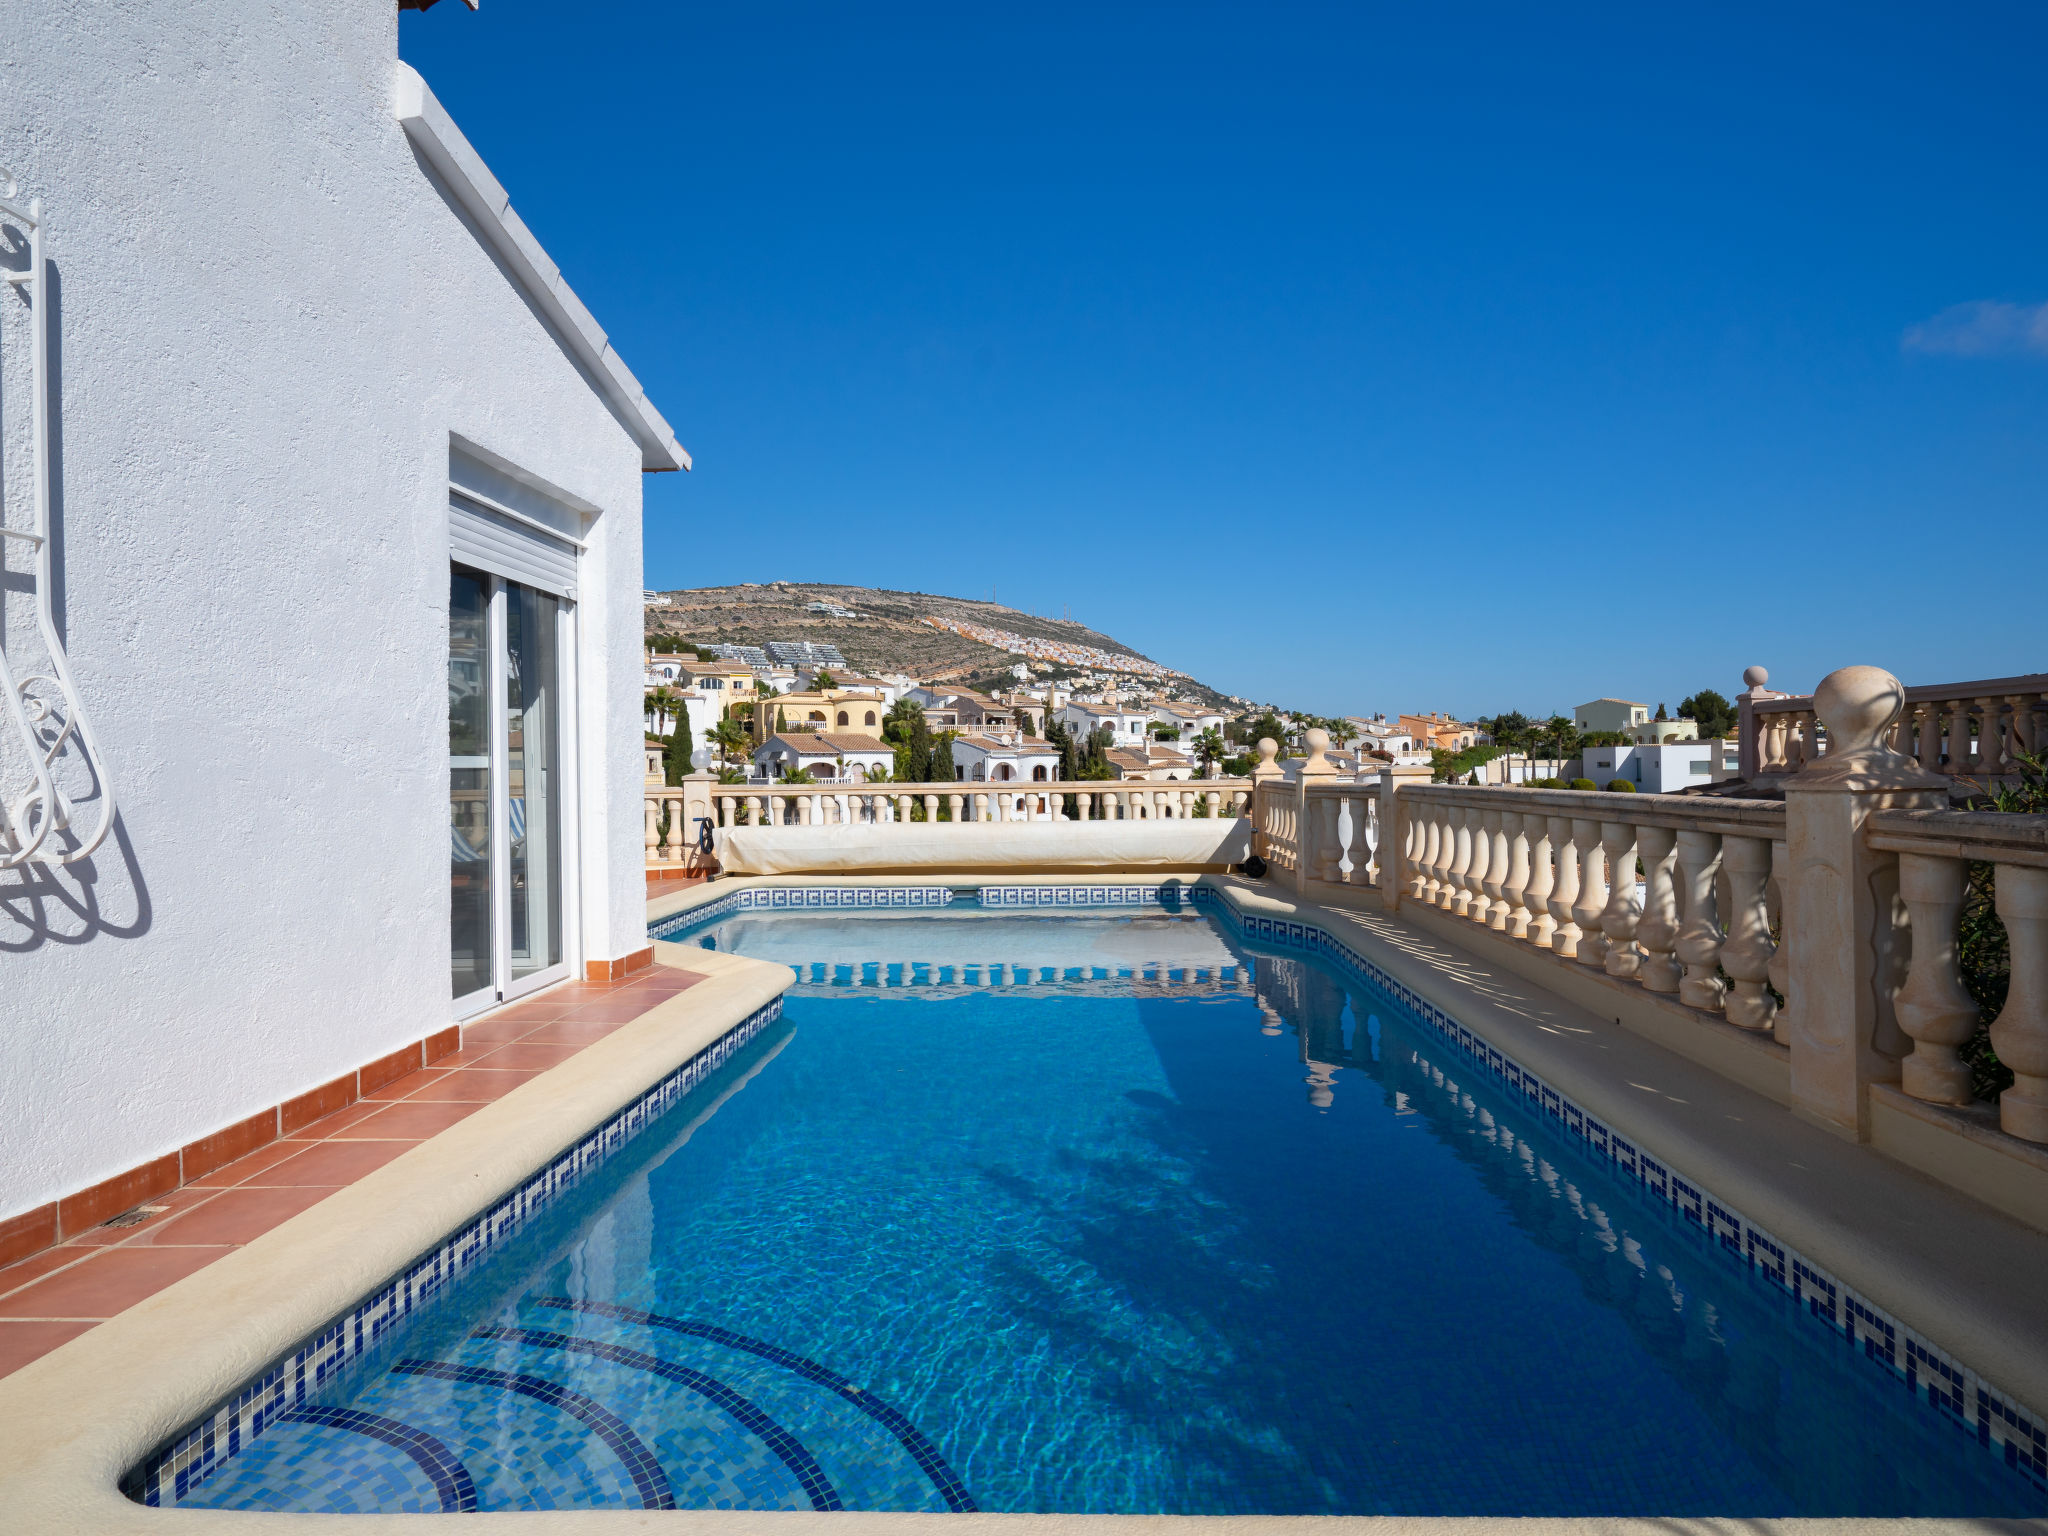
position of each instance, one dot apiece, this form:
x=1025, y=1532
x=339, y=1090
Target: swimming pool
x=1125, y=1213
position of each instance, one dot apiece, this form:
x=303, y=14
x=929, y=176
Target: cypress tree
x=677, y=758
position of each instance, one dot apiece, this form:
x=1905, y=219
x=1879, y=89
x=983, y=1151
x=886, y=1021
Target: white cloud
x=1982, y=328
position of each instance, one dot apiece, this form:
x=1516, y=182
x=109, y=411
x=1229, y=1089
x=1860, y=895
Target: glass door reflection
x=533, y=782
x=471, y=923
x=507, y=735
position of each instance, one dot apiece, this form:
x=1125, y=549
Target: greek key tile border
x=1935, y=1379
x=1167, y=894
x=166, y=1477
x=805, y=898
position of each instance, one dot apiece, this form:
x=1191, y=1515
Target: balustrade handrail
x=1993, y=837
x=1742, y=818
x=1926, y=693
x=970, y=787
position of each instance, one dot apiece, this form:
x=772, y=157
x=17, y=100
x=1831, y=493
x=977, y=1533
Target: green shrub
x=1622, y=786
x=1582, y=784
x=1543, y=783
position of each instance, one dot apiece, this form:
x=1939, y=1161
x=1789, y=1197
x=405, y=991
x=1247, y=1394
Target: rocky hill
x=940, y=639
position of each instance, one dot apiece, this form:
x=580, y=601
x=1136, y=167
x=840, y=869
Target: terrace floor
x=55, y=1295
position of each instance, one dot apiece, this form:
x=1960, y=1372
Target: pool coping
x=73, y=1422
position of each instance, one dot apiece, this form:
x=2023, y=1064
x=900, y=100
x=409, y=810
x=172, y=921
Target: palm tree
x=729, y=738
x=1209, y=749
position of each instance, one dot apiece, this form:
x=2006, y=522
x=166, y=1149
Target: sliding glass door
x=508, y=739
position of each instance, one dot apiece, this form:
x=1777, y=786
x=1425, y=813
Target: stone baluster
x=1780, y=969
x=1564, y=891
x=1457, y=896
x=955, y=806
x=1323, y=813
x=677, y=838
x=931, y=809
x=1991, y=758
x=2023, y=738
x=653, y=814
x=1477, y=903
x=1542, y=880
x=1592, y=900
x=1927, y=735
x=1623, y=913
x=1495, y=883
x=1514, y=886
x=2020, y=1032
x=1934, y=1007
x=1657, y=928
x=1958, y=735
x=1746, y=956
x=1347, y=863
x=1429, y=828
x=981, y=810
x=1699, y=937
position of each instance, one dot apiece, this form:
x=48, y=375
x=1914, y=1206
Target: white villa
x=829, y=757
x=1003, y=756
x=1130, y=725
x=338, y=441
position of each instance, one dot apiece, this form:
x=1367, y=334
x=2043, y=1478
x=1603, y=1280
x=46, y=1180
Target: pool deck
x=147, y=1327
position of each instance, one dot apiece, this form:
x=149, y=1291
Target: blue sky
x=1469, y=358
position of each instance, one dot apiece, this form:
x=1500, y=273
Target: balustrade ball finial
x=1266, y=768
x=1318, y=741
x=1756, y=677
x=1858, y=706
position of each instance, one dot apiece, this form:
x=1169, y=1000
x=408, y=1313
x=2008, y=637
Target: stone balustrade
x=1935, y=850
x=1320, y=825
x=1960, y=730
x=1671, y=892
x=675, y=814
x=974, y=800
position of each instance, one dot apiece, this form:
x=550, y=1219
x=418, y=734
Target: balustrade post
x=1657, y=928
x=1699, y=934
x=1958, y=735
x=1933, y=1007
x=1542, y=880
x=1839, y=908
x=1623, y=913
x=2020, y=1032
x=1746, y=955
x=1592, y=899
x=1564, y=892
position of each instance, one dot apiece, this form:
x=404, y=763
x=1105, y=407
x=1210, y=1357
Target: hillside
x=894, y=632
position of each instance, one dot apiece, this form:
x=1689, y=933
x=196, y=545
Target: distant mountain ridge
x=894, y=631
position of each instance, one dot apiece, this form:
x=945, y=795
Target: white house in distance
x=1610, y=715
x=1659, y=768
x=1003, y=756
x=1129, y=724
x=1189, y=719
x=307, y=345
x=829, y=757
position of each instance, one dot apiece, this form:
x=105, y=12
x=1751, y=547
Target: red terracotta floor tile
x=473, y=1054
x=409, y=1120
x=531, y=1055
x=331, y=1164
x=36, y=1265
x=498, y=1026
x=238, y=1216
x=246, y=1167
x=472, y=1084
x=405, y=1087
x=612, y=1010
x=334, y=1124
x=181, y=1199
x=22, y=1342
x=570, y=1033
x=113, y=1279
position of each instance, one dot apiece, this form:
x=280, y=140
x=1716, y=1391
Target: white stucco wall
x=271, y=323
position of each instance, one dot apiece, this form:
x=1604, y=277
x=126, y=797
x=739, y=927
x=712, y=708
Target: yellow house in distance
x=829, y=710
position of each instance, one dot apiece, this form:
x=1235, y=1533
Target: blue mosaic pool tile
x=165, y=1478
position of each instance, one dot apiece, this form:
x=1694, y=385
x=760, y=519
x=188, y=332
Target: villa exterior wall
x=270, y=321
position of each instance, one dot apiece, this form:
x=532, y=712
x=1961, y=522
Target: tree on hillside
x=942, y=769
x=1714, y=715
x=1062, y=740
x=1209, y=748
x=824, y=680
x=781, y=720
x=729, y=737
x=1512, y=732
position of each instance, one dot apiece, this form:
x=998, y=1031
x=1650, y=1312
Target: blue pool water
x=1101, y=1214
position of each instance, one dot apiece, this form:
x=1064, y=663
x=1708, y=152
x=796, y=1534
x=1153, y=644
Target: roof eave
x=433, y=132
